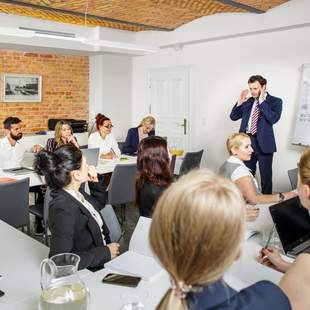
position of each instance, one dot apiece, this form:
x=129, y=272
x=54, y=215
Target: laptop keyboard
x=301, y=247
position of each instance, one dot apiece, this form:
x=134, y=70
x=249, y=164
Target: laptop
x=91, y=156
x=292, y=222
x=19, y=170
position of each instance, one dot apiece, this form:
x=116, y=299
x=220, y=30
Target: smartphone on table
x=120, y=279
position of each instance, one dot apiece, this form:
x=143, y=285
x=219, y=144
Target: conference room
x=111, y=108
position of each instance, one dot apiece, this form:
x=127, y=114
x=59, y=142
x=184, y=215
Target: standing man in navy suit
x=258, y=111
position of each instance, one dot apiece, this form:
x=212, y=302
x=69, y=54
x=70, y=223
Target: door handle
x=184, y=125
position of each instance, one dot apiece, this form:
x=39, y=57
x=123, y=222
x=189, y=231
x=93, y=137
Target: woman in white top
x=240, y=150
x=104, y=139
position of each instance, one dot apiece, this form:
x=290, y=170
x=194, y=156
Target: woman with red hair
x=104, y=139
x=153, y=173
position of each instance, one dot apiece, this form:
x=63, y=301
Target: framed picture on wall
x=21, y=87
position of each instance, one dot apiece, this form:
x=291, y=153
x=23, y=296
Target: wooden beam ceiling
x=132, y=15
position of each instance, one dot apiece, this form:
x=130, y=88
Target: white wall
x=110, y=90
x=220, y=70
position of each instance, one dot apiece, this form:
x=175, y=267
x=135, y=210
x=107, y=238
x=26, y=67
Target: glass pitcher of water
x=61, y=286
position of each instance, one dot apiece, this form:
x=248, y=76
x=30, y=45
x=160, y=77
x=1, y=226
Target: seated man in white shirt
x=12, y=149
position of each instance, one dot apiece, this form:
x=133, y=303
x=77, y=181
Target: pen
x=120, y=237
x=269, y=237
x=113, y=153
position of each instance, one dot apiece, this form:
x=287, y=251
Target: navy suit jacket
x=130, y=146
x=270, y=113
x=219, y=296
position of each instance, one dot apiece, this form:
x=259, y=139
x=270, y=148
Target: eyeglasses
x=109, y=126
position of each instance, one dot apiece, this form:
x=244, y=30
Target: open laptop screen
x=292, y=222
x=91, y=156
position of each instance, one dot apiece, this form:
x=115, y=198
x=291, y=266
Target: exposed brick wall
x=64, y=88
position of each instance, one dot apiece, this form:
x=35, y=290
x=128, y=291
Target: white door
x=168, y=96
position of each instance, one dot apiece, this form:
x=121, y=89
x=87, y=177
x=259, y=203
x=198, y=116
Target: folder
x=139, y=259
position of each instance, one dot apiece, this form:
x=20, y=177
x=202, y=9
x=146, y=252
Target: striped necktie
x=255, y=116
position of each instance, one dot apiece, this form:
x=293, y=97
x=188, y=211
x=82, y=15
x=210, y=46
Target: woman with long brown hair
x=153, y=173
x=196, y=233
x=63, y=135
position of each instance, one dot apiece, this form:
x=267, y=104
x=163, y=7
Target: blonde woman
x=271, y=256
x=63, y=135
x=197, y=232
x=136, y=134
x=240, y=150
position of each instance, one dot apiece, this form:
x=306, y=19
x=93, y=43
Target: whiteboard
x=302, y=125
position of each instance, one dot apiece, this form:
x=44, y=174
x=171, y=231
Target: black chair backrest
x=14, y=197
x=293, y=175
x=122, y=184
x=47, y=200
x=191, y=161
x=114, y=226
x=172, y=163
x=120, y=145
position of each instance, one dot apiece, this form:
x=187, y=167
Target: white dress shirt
x=105, y=145
x=260, y=100
x=94, y=213
x=11, y=156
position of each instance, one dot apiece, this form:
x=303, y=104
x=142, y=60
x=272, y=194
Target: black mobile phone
x=1, y=293
x=120, y=279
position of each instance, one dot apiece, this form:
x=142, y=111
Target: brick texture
x=65, y=81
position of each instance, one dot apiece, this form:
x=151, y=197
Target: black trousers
x=265, y=166
x=39, y=198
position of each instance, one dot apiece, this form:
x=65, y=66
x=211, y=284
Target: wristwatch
x=281, y=197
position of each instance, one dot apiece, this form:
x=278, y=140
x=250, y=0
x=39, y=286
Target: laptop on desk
x=292, y=222
x=19, y=170
x=91, y=156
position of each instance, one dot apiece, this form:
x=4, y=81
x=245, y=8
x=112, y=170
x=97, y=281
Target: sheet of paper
x=139, y=242
x=136, y=264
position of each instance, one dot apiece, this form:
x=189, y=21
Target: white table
x=108, y=165
x=20, y=260
x=104, y=166
x=19, y=265
x=244, y=272
x=34, y=179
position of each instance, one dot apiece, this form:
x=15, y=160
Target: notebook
x=292, y=222
x=138, y=260
x=91, y=156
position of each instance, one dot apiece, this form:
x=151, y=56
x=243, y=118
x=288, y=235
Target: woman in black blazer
x=136, y=134
x=75, y=222
x=153, y=173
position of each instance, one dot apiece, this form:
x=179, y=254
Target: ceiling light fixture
x=112, y=46
x=16, y=32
